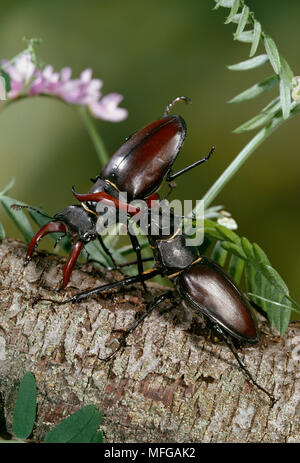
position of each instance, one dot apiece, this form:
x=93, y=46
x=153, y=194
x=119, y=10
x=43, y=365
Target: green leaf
x=242, y=22
x=273, y=276
x=219, y=254
x=272, y=52
x=285, y=98
x=286, y=79
x=18, y=217
x=278, y=304
x=97, y=438
x=286, y=73
x=262, y=118
x=224, y=4
x=95, y=250
x=8, y=187
x=234, y=10
x=25, y=409
x=254, y=123
x=234, y=249
x=81, y=427
x=245, y=36
x=2, y=232
x=228, y=234
x=247, y=248
x=249, y=63
x=260, y=255
x=256, y=89
x=260, y=277
x=256, y=37
x=236, y=268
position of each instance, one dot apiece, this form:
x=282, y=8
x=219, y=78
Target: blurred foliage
x=80, y=427
x=150, y=52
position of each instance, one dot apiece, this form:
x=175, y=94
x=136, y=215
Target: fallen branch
x=172, y=383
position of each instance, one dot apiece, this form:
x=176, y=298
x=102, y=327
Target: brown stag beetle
x=202, y=285
x=138, y=168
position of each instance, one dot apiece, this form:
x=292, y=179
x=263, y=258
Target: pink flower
x=20, y=72
x=107, y=108
x=45, y=82
x=81, y=91
x=84, y=91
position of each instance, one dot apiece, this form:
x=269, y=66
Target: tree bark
x=172, y=383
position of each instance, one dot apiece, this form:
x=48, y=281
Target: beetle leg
x=229, y=343
x=48, y=228
x=126, y=333
x=171, y=176
x=147, y=275
x=137, y=248
x=257, y=307
x=132, y=262
x=68, y=267
x=107, y=251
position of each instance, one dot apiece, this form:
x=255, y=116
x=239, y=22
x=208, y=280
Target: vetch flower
x=107, y=108
x=45, y=82
x=84, y=91
x=20, y=72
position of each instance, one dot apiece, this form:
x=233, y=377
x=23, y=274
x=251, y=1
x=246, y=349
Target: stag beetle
x=138, y=167
x=202, y=285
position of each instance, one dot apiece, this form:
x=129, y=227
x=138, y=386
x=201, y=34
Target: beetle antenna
x=173, y=102
x=18, y=207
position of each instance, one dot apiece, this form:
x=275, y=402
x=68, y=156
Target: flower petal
x=107, y=108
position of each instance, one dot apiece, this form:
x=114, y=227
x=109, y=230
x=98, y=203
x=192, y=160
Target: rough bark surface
x=172, y=383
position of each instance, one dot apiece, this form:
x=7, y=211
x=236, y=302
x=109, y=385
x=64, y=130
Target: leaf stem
x=95, y=136
x=243, y=156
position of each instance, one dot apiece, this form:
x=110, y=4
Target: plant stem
x=95, y=136
x=243, y=156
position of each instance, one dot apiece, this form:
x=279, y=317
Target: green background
x=151, y=51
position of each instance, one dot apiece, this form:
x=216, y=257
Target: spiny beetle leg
x=107, y=251
x=229, y=343
x=172, y=176
x=137, y=248
x=122, y=342
x=117, y=284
